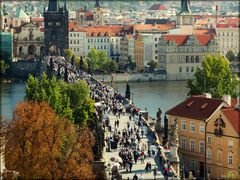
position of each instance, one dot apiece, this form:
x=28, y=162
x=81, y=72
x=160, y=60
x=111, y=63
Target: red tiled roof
x=101, y=30
x=203, y=39
x=233, y=116
x=72, y=25
x=196, y=107
x=151, y=27
x=178, y=39
x=38, y=19
x=157, y=7
x=204, y=31
x=227, y=25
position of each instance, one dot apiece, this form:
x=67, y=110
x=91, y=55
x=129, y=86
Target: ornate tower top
x=53, y=5
x=97, y=4
x=185, y=7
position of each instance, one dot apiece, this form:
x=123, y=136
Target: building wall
x=228, y=39
x=7, y=40
x=221, y=147
x=197, y=136
x=22, y=40
x=77, y=43
x=181, y=62
x=139, y=54
x=131, y=48
x=124, y=50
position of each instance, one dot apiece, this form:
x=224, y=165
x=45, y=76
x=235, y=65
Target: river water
x=150, y=95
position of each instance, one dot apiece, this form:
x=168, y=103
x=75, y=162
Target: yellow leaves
x=40, y=145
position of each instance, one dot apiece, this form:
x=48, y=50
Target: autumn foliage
x=41, y=145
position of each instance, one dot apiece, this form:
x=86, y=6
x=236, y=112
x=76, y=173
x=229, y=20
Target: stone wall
x=132, y=77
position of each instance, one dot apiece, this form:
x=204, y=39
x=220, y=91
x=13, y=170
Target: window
x=230, y=143
x=192, y=164
x=192, y=127
x=202, y=128
x=209, y=153
x=197, y=59
x=70, y=41
x=184, y=125
x=156, y=57
x=192, y=59
x=74, y=35
x=49, y=23
x=180, y=69
x=201, y=146
x=230, y=158
x=219, y=155
x=187, y=69
x=209, y=170
x=156, y=52
x=192, y=69
x=183, y=143
x=70, y=34
x=155, y=39
x=155, y=45
x=77, y=49
x=192, y=145
x=57, y=23
x=209, y=140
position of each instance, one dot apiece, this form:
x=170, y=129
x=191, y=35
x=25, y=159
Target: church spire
x=185, y=6
x=65, y=5
x=97, y=4
x=53, y=5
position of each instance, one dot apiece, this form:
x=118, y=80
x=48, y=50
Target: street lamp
x=132, y=97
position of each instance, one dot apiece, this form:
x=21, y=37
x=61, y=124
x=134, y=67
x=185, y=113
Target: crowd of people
x=132, y=150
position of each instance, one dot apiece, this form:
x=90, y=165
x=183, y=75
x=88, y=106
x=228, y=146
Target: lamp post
x=132, y=97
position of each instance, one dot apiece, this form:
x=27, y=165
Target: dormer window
x=218, y=126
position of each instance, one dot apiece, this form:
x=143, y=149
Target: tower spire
x=185, y=6
x=65, y=5
x=53, y=5
x=97, y=4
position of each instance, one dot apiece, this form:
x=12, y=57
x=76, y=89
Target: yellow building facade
x=209, y=143
x=139, y=52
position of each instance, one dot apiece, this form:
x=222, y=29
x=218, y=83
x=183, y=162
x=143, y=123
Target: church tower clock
x=185, y=19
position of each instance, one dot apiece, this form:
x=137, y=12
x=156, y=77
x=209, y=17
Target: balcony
x=218, y=132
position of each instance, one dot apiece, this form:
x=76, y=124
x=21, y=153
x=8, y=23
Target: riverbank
x=136, y=77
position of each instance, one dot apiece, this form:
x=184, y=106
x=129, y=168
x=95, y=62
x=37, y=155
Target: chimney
x=208, y=95
x=227, y=99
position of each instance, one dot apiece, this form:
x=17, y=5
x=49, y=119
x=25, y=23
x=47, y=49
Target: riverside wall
x=136, y=77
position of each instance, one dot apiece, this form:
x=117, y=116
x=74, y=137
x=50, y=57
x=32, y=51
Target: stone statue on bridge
x=158, y=122
x=173, y=134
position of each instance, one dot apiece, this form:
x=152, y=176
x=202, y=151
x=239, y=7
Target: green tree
x=214, y=77
x=68, y=54
x=131, y=64
x=84, y=112
x=153, y=65
x=230, y=56
x=48, y=91
x=113, y=66
x=3, y=68
x=102, y=60
x=93, y=60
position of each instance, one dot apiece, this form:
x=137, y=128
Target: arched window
x=187, y=69
x=209, y=153
x=197, y=59
x=192, y=69
x=180, y=69
x=192, y=59
x=230, y=158
x=219, y=125
x=219, y=155
x=187, y=59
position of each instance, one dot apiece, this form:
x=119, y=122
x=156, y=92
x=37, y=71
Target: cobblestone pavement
x=137, y=168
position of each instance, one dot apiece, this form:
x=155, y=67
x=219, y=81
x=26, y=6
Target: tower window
x=49, y=23
x=57, y=23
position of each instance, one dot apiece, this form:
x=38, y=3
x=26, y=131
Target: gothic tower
x=185, y=19
x=98, y=12
x=56, y=28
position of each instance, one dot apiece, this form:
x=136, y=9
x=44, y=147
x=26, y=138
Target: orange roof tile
x=152, y=27
x=101, y=30
x=203, y=39
x=204, y=31
x=178, y=39
x=233, y=116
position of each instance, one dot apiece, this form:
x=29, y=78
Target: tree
x=131, y=64
x=68, y=54
x=128, y=92
x=153, y=65
x=230, y=56
x=38, y=145
x=214, y=77
x=48, y=91
x=102, y=59
x=93, y=60
x=3, y=68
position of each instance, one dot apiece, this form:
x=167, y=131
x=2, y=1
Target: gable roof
x=203, y=39
x=157, y=7
x=233, y=116
x=196, y=107
x=152, y=27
